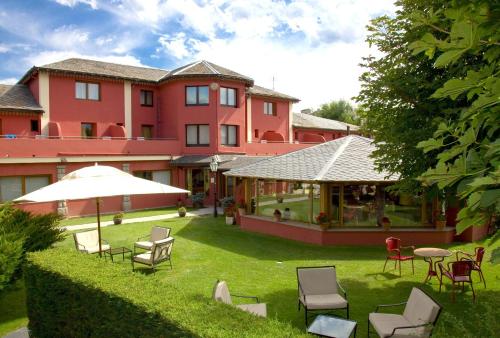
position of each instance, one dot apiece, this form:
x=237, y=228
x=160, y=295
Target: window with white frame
x=229, y=135
x=87, y=91
x=197, y=135
x=269, y=108
x=12, y=187
x=228, y=96
x=160, y=176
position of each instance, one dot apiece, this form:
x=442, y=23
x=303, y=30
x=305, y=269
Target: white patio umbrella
x=95, y=182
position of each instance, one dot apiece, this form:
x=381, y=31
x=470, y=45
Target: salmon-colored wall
x=175, y=115
x=18, y=124
x=34, y=88
x=263, y=123
x=71, y=112
x=302, y=134
x=345, y=236
x=144, y=115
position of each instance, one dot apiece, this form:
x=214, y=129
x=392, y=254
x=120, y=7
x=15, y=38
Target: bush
x=70, y=294
x=227, y=202
x=197, y=199
x=21, y=232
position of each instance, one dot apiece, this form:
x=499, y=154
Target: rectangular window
x=160, y=176
x=147, y=131
x=228, y=96
x=197, y=135
x=197, y=95
x=88, y=130
x=269, y=108
x=35, y=126
x=229, y=135
x=147, y=98
x=256, y=133
x=87, y=91
x=15, y=186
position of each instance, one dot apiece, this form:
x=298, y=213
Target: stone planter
x=182, y=213
x=324, y=226
x=277, y=218
x=440, y=224
x=386, y=226
x=117, y=221
x=229, y=220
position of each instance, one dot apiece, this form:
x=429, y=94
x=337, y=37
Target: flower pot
x=229, y=220
x=117, y=221
x=386, y=226
x=277, y=218
x=182, y=214
x=324, y=226
x=279, y=199
x=440, y=224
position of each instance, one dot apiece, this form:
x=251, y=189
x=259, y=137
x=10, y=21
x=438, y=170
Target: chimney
x=348, y=130
x=306, y=111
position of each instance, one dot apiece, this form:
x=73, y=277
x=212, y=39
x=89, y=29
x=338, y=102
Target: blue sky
x=311, y=48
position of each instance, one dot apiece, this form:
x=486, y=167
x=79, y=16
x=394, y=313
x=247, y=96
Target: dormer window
x=87, y=91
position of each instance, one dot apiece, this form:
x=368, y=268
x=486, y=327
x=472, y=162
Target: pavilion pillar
x=247, y=183
x=380, y=200
x=341, y=204
x=324, y=193
x=311, y=203
x=257, y=195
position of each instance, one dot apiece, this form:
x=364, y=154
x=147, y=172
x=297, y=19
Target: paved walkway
x=20, y=333
x=198, y=212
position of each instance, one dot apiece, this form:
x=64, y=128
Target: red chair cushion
x=401, y=258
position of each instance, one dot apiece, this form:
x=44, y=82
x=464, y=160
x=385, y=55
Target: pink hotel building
x=157, y=124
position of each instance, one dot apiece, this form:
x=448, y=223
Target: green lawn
x=13, y=308
x=130, y=214
x=206, y=249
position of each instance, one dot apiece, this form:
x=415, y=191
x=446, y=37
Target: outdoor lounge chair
x=88, y=242
x=418, y=319
x=393, y=246
x=157, y=234
x=160, y=252
x=221, y=294
x=318, y=290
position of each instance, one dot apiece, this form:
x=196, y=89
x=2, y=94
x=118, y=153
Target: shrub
x=75, y=295
x=227, y=202
x=197, y=199
x=21, y=232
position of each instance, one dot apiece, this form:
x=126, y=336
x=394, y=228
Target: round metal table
x=428, y=254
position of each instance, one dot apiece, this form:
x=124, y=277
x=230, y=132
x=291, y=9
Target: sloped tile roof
x=18, y=98
x=107, y=69
x=261, y=91
x=205, y=68
x=241, y=161
x=301, y=120
x=4, y=88
x=346, y=159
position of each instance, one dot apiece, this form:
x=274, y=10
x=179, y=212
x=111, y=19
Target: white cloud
x=311, y=48
x=8, y=81
x=73, y=3
x=66, y=37
x=4, y=48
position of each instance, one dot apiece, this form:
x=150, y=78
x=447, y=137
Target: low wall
x=346, y=236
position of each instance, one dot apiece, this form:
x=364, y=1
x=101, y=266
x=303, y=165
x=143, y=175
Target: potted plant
x=182, y=211
x=287, y=214
x=229, y=212
x=279, y=198
x=277, y=215
x=117, y=219
x=242, y=207
x=386, y=223
x=441, y=221
x=197, y=200
x=323, y=221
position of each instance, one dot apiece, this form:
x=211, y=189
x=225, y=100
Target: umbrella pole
x=97, y=203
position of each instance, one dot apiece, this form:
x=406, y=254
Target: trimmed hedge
x=70, y=294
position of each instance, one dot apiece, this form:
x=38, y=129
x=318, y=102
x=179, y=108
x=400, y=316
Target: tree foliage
x=341, y=110
x=468, y=145
x=395, y=103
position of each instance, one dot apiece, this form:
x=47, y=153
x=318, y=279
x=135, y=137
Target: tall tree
x=340, y=110
x=468, y=144
x=394, y=101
